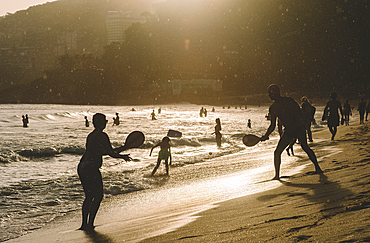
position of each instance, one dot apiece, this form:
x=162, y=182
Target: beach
x=303, y=206
x=306, y=207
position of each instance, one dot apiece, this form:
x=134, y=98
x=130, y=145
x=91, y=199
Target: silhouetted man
x=289, y=113
x=97, y=145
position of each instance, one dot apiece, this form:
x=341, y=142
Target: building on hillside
x=117, y=22
x=66, y=43
x=196, y=86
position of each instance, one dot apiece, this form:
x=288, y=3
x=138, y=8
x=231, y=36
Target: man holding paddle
x=290, y=115
x=97, y=145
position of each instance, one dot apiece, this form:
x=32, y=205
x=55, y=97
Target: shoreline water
x=162, y=181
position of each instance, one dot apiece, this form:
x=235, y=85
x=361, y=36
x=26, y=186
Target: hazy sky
x=12, y=6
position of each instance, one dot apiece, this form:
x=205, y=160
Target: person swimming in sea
x=116, y=120
x=164, y=154
x=87, y=123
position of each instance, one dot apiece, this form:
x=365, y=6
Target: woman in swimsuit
x=164, y=153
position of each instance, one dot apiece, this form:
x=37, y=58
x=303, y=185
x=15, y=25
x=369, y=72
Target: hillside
x=308, y=47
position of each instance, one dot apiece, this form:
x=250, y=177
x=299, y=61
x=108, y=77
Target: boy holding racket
x=289, y=113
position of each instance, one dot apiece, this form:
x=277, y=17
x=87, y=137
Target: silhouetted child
x=290, y=147
x=249, y=123
x=164, y=154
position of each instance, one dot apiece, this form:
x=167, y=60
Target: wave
x=8, y=156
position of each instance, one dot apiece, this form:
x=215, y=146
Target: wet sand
x=306, y=207
x=300, y=207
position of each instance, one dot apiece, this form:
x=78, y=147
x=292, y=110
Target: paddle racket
x=174, y=134
x=251, y=140
x=133, y=140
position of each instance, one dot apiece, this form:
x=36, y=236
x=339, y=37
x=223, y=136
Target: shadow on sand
x=97, y=237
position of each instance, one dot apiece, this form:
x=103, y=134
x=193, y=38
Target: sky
x=12, y=6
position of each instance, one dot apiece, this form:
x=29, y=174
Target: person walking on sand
x=217, y=132
x=164, y=154
x=308, y=112
x=97, y=145
x=332, y=115
x=347, y=112
x=287, y=110
x=361, y=109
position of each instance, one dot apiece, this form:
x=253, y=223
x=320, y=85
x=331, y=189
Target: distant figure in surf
x=217, y=132
x=116, y=120
x=201, y=112
x=87, y=123
x=153, y=115
x=25, y=122
x=164, y=154
x=289, y=113
x=205, y=112
x=97, y=145
x=347, y=111
x=361, y=109
x=249, y=124
x=332, y=115
x=159, y=111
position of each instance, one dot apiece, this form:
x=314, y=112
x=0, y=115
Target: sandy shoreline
x=306, y=207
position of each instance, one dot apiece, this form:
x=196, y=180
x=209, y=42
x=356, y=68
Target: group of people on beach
x=335, y=114
x=293, y=120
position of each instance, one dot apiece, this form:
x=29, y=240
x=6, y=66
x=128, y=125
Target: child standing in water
x=164, y=153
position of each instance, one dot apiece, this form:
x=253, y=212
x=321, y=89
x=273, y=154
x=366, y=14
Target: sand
x=307, y=207
x=333, y=207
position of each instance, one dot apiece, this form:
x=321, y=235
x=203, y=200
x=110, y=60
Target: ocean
x=38, y=164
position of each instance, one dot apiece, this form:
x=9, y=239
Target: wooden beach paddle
x=251, y=140
x=133, y=140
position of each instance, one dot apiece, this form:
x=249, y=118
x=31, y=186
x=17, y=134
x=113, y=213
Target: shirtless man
x=290, y=115
x=97, y=145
